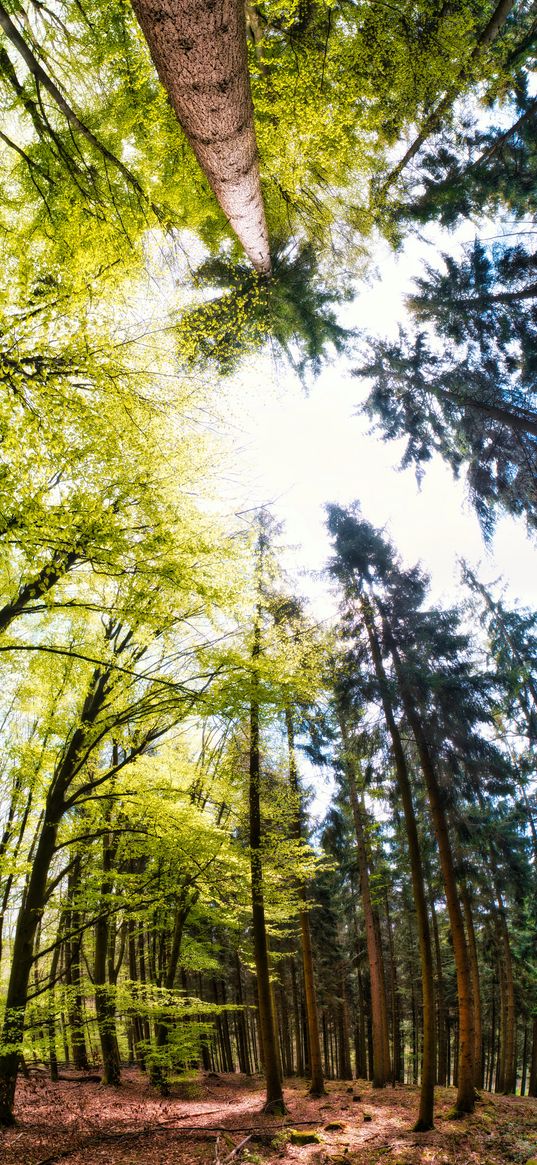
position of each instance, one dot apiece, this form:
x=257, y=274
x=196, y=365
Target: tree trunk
x=476, y=986
x=105, y=1006
x=274, y=1099
x=316, y=1066
x=241, y=1028
x=465, y=1073
x=426, y=1110
x=379, y=1008
x=73, y=973
x=441, y=1070
x=199, y=50
x=532, y=1087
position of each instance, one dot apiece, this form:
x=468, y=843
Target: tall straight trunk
x=441, y=1070
x=137, y=1023
x=51, y=1018
x=315, y=1060
x=274, y=1098
x=299, y=1043
x=507, y=1080
x=105, y=1005
x=199, y=50
x=524, y=1066
x=361, y=1064
x=343, y=1037
x=243, y=1049
x=379, y=1007
x=532, y=1086
x=476, y=986
x=465, y=1067
x=73, y=970
x=394, y=993
x=426, y=1109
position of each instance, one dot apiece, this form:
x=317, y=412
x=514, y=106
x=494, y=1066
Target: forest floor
x=80, y=1122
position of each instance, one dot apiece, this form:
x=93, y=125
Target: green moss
x=304, y=1137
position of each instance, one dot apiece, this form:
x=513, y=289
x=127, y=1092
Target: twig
x=235, y=1152
x=148, y=1130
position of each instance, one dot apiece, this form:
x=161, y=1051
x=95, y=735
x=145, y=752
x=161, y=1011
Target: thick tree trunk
x=199, y=49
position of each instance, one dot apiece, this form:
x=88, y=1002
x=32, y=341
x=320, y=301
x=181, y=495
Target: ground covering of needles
x=218, y=1120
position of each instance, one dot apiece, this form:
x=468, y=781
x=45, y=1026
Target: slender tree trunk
x=426, y=1110
x=395, y=1002
x=274, y=1098
x=532, y=1087
x=476, y=986
x=316, y=1067
x=299, y=1043
x=199, y=49
x=242, y=1033
x=73, y=971
x=441, y=1071
x=379, y=1008
x=465, y=1073
x=105, y=1006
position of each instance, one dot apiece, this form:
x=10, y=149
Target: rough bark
x=199, y=50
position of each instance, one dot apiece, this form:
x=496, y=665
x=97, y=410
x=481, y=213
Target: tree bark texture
x=199, y=50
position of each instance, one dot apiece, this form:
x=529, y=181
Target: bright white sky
x=296, y=453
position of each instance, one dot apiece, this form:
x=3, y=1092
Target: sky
x=295, y=452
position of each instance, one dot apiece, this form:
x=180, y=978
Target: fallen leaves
x=223, y=1123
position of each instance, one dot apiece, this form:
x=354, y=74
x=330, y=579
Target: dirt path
x=83, y=1123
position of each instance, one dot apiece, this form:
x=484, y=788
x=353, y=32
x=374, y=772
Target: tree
x=292, y=312
x=475, y=408
x=200, y=55
x=365, y=562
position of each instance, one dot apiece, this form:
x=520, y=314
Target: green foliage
x=292, y=310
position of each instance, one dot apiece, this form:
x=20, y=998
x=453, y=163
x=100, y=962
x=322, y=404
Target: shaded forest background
x=166, y=693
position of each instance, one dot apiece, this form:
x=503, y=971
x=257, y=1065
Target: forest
x=268, y=879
